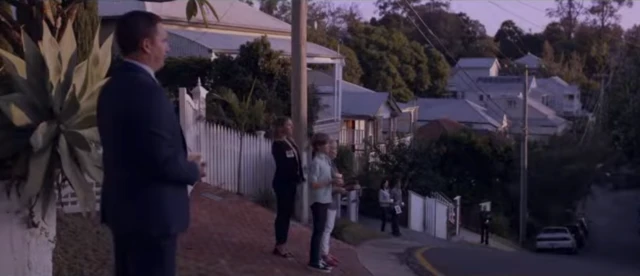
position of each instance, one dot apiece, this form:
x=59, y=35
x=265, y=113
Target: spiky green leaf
x=86, y=122
x=37, y=73
x=13, y=64
x=77, y=140
x=38, y=166
x=191, y=9
x=79, y=183
x=68, y=48
x=89, y=164
x=51, y=54
x=43, y=136
x=70, y=108
x=20, y=111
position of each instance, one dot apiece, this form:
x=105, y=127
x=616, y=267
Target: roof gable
x=476, y=63
x=458, y=110
x=530, y=60
x=363, y=104
x=324, y=83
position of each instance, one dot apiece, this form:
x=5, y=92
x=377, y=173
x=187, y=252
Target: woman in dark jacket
x=285, y=181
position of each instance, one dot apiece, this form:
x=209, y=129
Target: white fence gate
x=430, y=214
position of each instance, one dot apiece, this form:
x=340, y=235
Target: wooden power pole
x=524, y=160
x=299, y=92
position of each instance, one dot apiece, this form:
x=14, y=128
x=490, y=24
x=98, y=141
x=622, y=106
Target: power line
x=530, y=6
x=448, y=53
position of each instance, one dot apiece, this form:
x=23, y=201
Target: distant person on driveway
x=147, y=170
x=398, y=204
x=286, y=179
x=485, y=222
x=384, y=198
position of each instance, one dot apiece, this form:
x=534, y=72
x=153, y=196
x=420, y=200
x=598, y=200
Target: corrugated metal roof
x=230, y=43
x=362, y=104
x=503, y=84
x=231, y=13
x=459, y=110
x=476, y=62
x=324, y=83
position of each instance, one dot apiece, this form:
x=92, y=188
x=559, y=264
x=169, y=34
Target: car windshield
x=554, y=230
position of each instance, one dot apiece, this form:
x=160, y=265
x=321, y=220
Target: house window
x=350, y=124
x=571, y=97
x=481, y=97
x=511, y=103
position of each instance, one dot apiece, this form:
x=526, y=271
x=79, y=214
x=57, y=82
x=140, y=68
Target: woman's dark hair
x=318, y=140
x=278, y=123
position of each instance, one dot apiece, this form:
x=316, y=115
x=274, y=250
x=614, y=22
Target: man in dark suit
x=145, y=201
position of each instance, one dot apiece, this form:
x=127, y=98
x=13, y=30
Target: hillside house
x=365, y=114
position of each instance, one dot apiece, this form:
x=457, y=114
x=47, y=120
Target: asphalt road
x=613, y=249
x=614, y=225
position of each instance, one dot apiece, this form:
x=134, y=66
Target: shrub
x=354, y=233
x=345, y=161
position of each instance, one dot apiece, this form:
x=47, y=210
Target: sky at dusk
x=529, y=15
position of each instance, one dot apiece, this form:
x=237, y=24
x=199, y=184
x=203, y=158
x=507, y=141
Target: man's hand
x=197, y=158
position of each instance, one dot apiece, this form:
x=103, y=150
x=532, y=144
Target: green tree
x=352, y=72
x=257, y=70
x=390, y=61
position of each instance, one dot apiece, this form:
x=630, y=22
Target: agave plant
x=50, y=119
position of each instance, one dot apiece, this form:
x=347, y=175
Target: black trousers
x=144, y=255
x=395, y=224
x=389, y=214
x=484, y=234
x=385, y=215
x=319, y=213
x=285, y=204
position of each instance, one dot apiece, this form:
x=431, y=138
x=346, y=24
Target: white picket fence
x=221, y=149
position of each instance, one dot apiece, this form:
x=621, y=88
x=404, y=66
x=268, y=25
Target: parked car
x=582, y=222
x=556, y=238
x=577, y=233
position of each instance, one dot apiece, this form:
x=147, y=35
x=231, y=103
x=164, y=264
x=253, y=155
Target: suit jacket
x=146, y=171
x=288, y=164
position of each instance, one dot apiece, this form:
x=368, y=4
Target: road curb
x=419, y=264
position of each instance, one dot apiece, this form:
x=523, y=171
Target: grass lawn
x=354, y=233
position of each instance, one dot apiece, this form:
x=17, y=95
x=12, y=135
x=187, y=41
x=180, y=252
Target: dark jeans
x=144, y=255
x=285, y=201
x=484, y=234
x=319, y=213
x=389, y=214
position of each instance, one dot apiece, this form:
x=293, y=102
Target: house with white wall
x=238, y=24
x=467, y=71
x=365, y=114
